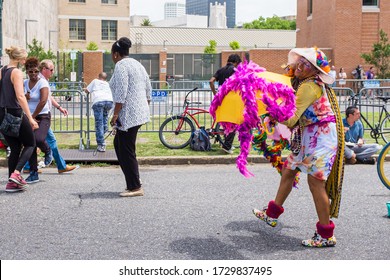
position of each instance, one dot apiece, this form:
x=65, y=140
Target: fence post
x=81, y=144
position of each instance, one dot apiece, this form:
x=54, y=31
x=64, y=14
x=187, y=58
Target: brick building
x=101, y=21
x=347, y=27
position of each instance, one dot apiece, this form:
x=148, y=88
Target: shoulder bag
x=10, y=125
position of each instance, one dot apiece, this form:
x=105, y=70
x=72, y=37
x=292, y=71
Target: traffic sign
x=159, y=95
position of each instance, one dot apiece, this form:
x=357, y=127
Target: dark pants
x=124, y=143
x=228, y=143
x=21, y=147
x=40, y=139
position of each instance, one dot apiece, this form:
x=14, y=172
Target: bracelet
x=58, y=107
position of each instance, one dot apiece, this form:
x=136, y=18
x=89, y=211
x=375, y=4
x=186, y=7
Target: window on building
x=370, y=3
x=77, y=29
x=110, y=2
x=109, y=30
x=77, y=1
x=309, y=7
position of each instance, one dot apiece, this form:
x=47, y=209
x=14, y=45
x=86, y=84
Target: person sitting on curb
x=356, y=151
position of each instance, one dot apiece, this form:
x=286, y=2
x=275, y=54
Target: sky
x=246, y=10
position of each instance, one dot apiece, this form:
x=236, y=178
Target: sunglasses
x=304, y=62
x=51, y=70
x=33, y=71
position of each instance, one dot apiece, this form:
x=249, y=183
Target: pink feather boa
x=247, y=82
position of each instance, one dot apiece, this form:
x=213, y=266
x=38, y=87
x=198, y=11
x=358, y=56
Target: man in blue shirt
x=356, y=151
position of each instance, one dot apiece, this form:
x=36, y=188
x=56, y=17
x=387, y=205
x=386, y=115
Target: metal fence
x=170, y=100
x=80, y=119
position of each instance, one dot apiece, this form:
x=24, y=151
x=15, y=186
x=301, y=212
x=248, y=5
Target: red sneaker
x=18, y=179
x=13, y=187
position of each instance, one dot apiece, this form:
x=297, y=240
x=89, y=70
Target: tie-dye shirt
x=312, y=106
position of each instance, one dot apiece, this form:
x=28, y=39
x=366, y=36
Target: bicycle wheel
x=385, y=129
x=175, y=132
x=384, y=171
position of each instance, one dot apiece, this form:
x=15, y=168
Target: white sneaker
x=129, y=193
x=101, y=148
x=228, y=151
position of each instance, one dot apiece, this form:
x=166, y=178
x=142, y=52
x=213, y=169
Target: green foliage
x=271, y=23
x=380, y=56
x=208, y=57
x=211, y=48
x=36, y=50
x=92, y=46
x=234, y=45
x=146, y=22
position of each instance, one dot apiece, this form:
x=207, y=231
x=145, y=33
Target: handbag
x=10, y=125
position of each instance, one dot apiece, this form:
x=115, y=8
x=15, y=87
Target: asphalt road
x=196, y=212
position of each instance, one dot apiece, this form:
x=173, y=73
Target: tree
x=146, y=22
x=36, y=50
x=274, y=22
x=92, y=46
x=234, y=45
x=380, y=56
x=208, y=58
x=211, y=48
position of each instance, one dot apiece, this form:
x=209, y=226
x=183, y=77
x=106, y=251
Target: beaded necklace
x=297, y=133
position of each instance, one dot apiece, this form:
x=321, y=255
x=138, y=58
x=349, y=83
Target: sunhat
x=316, y=57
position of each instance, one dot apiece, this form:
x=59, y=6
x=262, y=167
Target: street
x=192, y=212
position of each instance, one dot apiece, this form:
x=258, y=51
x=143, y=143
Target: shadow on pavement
x=263, y=243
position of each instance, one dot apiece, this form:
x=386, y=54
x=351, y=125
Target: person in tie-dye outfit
x=317, y=145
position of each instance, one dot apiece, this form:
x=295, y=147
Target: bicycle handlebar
x=188, y=93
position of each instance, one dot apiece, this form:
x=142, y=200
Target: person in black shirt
x=220, y=76
x=13, y=101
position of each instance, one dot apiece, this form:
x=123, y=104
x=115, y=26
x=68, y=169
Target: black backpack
x=200, y=140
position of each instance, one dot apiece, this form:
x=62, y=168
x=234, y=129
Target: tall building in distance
x=174, y=10
x=217, y=18
x=202, y=7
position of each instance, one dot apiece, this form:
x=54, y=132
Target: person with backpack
x=221, y=76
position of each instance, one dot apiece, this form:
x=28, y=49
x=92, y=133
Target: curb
x=197, y=160
x=181, y=160
x=184, y=160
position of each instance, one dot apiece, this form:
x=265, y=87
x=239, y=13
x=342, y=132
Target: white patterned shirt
x=130, y=86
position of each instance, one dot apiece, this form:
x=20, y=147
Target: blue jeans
x=100, y=111
x=52, y=141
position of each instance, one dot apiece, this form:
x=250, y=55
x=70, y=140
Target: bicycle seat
x=383, y=98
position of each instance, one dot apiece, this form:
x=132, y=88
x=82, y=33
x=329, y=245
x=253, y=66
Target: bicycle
x=175, y=132
x=382, y=127
x=384, y=175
